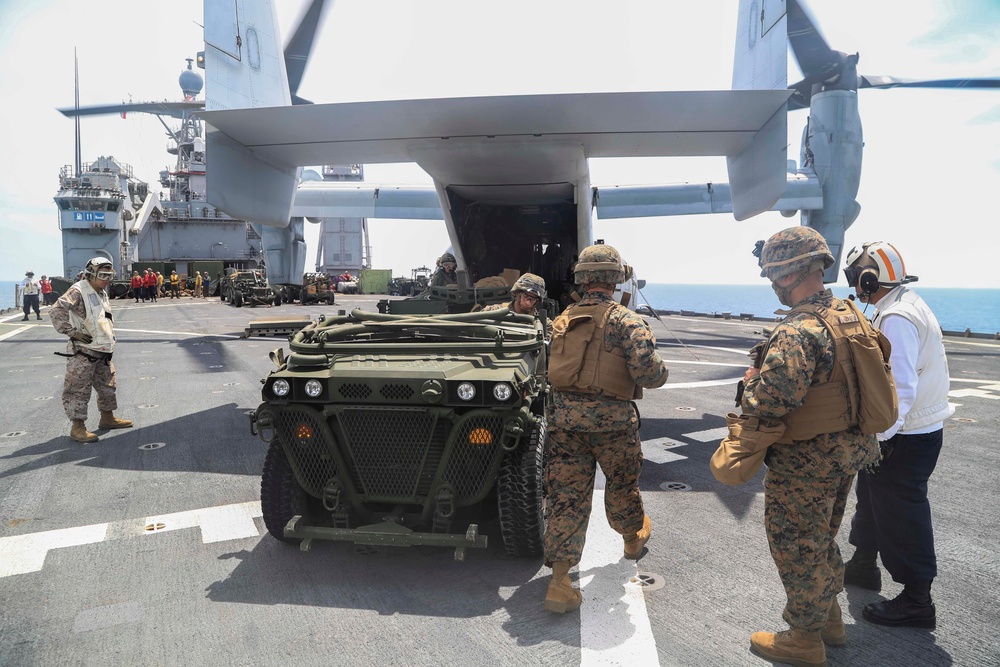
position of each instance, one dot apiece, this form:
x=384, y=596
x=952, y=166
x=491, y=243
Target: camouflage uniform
x=528, y=283
x=82, y=373
x=441, y=277
x=589, y=428
x=807, y=482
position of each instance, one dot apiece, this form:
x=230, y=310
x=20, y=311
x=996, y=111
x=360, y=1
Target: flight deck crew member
x=151, y=284
x=46, y=287
x=601, y=355
x=84, y=314
x=206, y=285
x=197, y=285
x=138, y=289
x=811, y=468
x=445, y=275
x=175, y=285
x=893, y=515
x=526, y=293
x=30, y=291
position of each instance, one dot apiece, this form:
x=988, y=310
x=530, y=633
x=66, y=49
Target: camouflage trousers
x=81, y=375
x=570, y=470
x=802, y=516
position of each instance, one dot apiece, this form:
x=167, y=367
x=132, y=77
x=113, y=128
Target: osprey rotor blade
x=894, y=82
x=298, y=48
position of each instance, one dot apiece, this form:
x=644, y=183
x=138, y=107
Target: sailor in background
x=893, y=515
x=30, y=291
x=84, y=314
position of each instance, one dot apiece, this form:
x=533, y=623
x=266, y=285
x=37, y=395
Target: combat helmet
x=792, y=250
x=447, y=257
x=530, y=284
x=600, y=264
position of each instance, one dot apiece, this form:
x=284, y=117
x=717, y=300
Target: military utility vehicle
x=316, y=288
x=247, y=288
x=407, y=430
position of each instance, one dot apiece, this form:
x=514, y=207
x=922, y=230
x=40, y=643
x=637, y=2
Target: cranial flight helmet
x=875, y=264
x=93, y=268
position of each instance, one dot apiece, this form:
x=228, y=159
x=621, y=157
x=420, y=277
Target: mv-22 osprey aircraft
x=511, y=177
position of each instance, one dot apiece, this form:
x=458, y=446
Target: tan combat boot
x=792, y=647
x=561, y=596
x=833, y=632
x=80, y=433
x=108, y=420
x=635, y=543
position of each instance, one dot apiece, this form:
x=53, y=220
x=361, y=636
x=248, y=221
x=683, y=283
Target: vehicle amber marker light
x=480, y=436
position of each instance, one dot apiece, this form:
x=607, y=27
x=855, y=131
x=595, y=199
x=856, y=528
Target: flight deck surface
x=148, y=547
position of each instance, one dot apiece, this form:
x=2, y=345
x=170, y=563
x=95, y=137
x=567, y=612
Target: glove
x=82, y=336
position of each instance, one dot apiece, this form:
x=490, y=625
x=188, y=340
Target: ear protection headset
x=867, y=281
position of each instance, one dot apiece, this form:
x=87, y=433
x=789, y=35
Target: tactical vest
x=579, y=361
x=97, y=323
x=832, y=406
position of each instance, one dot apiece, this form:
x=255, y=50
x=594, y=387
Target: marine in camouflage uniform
x=445, y=274
x=526, y=293
x=595, y=427
x=88, y=350
x=807, y=481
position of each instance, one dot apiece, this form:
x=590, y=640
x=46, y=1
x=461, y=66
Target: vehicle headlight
x=313, y=388
x=502, y=391
x=466, y=391
x=281, y=388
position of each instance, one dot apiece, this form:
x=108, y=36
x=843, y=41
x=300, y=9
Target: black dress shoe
x=862, y=575
x=902, y=611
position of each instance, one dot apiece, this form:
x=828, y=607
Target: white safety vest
x=98, y=322
x=931, y=402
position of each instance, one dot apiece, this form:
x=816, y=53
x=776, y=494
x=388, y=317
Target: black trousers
x=30, y=301
x=893, y=514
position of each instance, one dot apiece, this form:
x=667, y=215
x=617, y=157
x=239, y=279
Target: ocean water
x=956, y=308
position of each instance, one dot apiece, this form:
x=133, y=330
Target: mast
x=76, y=78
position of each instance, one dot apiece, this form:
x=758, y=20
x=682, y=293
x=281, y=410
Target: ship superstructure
x=105, y=210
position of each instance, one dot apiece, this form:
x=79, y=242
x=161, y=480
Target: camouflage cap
x=531, y=284
x=599, y=264
x=792, y=250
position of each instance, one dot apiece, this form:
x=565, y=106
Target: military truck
x=406, y=430
x=247, y=288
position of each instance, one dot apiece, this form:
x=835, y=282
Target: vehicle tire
x=281, y=497
x=222, y=295
x=277, y=298
x=330, y=300
x=238, y=299
x=303, y=295
x=519, y=496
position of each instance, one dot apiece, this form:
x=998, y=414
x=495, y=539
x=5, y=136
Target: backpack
x=862, y=354
x=878, y=405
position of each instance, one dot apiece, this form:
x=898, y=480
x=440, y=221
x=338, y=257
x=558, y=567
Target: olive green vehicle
x=247, y=288
x=407, y=429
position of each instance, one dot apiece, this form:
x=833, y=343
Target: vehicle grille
x=393, y=454
x=388, y=448
x=396, y=452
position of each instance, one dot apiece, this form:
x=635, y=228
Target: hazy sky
x=931, y=164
